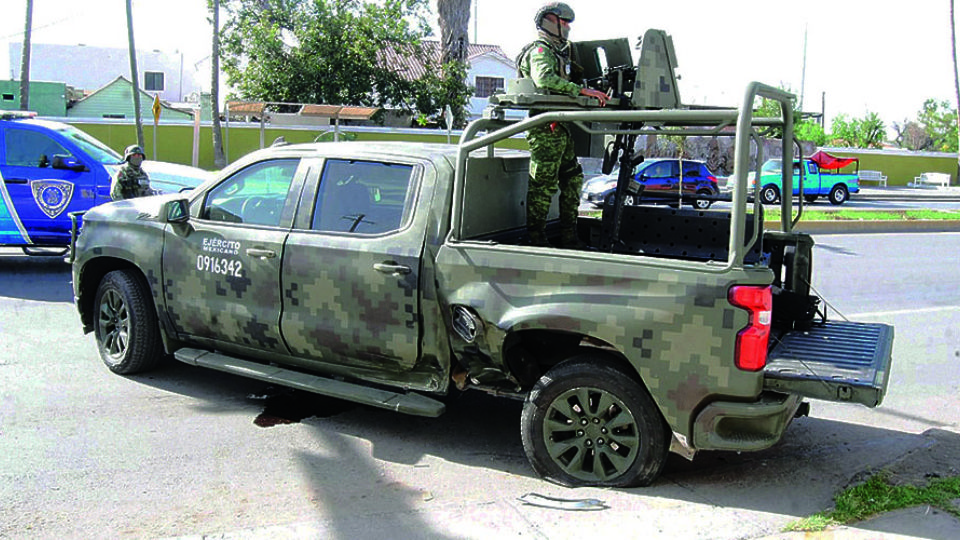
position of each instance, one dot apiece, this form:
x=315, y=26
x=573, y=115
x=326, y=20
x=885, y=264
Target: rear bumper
x=745, y=427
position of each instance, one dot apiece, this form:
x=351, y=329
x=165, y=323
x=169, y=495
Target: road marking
x=895, y=312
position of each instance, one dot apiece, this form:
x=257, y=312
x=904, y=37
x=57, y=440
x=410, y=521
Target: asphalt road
x=186, y=452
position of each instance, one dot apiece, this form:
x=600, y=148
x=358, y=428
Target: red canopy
x=826, y=161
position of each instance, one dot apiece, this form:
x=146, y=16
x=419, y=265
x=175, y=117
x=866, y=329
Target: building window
x=487, y=86
x=8, y=97
x=153, y=81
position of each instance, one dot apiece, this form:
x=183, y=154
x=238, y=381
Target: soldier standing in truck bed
x=553, y=163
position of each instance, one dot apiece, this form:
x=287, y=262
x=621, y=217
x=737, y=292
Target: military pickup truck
x=391, y=274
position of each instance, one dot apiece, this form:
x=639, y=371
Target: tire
x=588, y=422
x=125, y=324
x=839, y=194
x=701, y=204
x=769, y=194
x=628, y=200
x=811, y=198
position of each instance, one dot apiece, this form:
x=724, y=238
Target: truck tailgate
x=835, y=361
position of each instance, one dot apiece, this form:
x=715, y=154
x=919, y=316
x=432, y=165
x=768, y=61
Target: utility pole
x=25, y=60
x=803, y=74
x=135, y=78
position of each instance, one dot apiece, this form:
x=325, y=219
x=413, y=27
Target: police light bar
x=16, y=115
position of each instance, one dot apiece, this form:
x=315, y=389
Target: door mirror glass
x=176, y=211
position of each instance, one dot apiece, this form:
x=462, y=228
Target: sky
x=861, y=56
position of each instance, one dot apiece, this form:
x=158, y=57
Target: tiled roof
x=401, y=58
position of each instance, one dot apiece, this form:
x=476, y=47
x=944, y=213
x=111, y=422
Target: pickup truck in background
x=50, y=169
x=836, y=187
x=392, y=274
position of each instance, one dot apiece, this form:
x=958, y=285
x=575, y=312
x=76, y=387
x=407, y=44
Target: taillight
x=751, y=349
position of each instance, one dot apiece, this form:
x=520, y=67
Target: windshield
x=772, y=166
x=94, y=148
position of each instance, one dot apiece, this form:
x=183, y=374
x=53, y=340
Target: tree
x=343, y=52
x=866, y=132
x=133, y=75
x=25, y=60
x=939, y=122
x=219, y=159
x=804, y=130
x=454, y=38
x=912, y=136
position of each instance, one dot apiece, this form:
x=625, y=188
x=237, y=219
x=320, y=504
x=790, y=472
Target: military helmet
x=559, y=9
x=131, y=150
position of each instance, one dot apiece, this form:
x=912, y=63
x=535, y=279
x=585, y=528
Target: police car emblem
x=52, y=196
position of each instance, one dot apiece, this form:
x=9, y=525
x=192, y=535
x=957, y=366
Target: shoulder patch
x=539, y=50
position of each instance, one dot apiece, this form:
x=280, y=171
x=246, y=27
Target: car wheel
x=769, y=195
x=839, y=194
x=702, y=204
x=588, y=422
x=810, y=198
x=125, y=324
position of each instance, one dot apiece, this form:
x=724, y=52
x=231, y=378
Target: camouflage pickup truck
x=390, y=274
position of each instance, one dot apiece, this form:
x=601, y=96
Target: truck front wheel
x=125, y=325
x=587, y=422
x=769, y=194
x=839, y=194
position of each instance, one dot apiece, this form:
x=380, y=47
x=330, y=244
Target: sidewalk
x=903, y=193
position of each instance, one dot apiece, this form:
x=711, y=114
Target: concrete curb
x=870, y=226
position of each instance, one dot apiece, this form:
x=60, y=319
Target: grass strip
x=876, y=496
x=868, y=215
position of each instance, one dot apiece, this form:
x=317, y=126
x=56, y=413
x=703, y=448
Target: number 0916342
x=220, y=265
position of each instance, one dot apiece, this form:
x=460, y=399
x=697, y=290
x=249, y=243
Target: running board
x=404, y=402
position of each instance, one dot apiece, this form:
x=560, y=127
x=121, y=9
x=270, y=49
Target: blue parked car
x=660, y=179
x=49, y=169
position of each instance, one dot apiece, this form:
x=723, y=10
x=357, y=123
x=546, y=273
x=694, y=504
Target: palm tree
x=219, y=159
x=454, y=36
x=956, y=79
x=134, y=76
x=25, y=60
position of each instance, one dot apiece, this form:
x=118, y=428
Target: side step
x=404, y=402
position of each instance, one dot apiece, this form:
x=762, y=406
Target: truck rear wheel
x=125, y=324
x=587, y=422
x=839, y=194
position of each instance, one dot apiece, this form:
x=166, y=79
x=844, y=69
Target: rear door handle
x=261, y=253
x=392, y=268
x=15, y=181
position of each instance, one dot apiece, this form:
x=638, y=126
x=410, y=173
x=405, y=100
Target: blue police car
x=50, y=169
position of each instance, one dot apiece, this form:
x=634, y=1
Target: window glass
x=691, y=168
x=662, y=169
x=94, y=148
x=254, y=195
x=31, y=148
x=812, y=167
x=153, y=81
x=361, y=197
x=487, y=86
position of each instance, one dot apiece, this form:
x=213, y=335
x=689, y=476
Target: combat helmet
x=131, y=150
x=561, y=10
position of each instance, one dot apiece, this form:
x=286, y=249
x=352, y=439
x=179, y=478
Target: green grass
x=876, y=496
x=868, y=215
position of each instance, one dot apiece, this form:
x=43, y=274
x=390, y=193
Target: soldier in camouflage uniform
x=131, y=180
x=553, y=163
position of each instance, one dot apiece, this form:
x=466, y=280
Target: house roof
x=413, y=67
x=163, y=104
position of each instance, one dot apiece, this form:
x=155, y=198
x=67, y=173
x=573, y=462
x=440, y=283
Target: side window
x=254, y=195
x=691, y=169
x=26, y=148
x=796, y=170
x=662, y=169
x=812, y=167
x=363, y=197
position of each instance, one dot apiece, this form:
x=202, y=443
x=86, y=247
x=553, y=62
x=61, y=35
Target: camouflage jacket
x=130, y=182
x=548, y=67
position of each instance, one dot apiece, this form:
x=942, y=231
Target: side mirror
x=610, y=156
x=68, y=163
x=176, y=211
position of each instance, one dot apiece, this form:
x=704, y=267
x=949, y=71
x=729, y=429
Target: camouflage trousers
x=553, y=165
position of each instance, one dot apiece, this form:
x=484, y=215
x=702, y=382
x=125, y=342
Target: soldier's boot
x=537, y=237
x=569, y=238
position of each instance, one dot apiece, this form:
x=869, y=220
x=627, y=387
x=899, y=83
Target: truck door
x=43, y=181
x=221, y=269
x=351, y=267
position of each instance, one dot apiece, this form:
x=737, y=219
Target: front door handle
x=261, y=253
x=392, y=268
x=15, y=181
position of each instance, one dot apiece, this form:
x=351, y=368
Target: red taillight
x=751, y=351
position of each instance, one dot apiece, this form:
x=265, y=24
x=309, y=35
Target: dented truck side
x=390, y=273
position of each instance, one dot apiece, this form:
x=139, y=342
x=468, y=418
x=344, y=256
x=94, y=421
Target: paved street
x=183, y=451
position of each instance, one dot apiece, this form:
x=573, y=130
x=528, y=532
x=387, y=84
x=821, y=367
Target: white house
x=89, y=68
